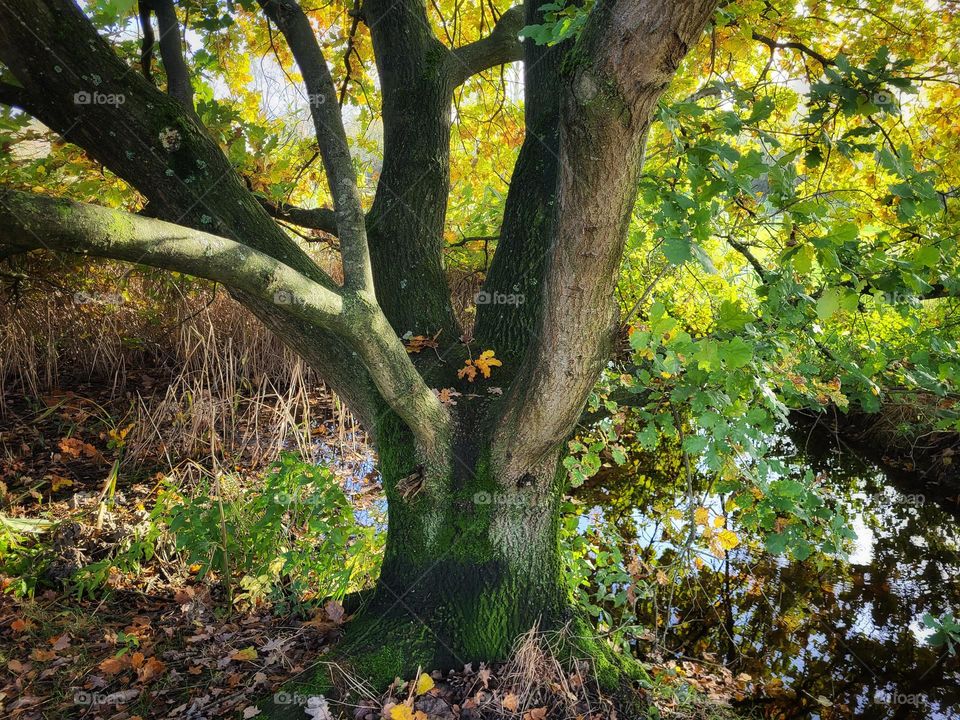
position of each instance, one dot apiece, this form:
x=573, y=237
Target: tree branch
x=323, y=219
x=149, y=39
x=171, y=52
x=33, y=222
x=792, y=45
x=351, y=223
x=501, y=46
x=622, y=62
x=14, y=96
x=30, y=222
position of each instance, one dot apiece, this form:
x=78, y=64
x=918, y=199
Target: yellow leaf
x=701, y=516
x=487, y=361
x=248, y=653
x=401, y=712
x=728, y=539
x=424, y=684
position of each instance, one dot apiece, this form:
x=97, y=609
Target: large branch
x=406, y=219
x=34, y=222
x=625, y=57
x=501, y=46
x=332, y=138
x=171, y=53
x=519, y=263
x=30, y=222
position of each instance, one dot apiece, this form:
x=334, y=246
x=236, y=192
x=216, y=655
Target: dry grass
x=188, y=370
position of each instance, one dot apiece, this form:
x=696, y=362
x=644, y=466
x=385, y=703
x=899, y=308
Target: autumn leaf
x=77, y=448
x=111, y=666
x=21, y=625
x=539, y=713
x=484, y=363
x=405, y=712
x=248, y=654
x=424, y=684
x=510, y=702
x=701, y=516
x=150, y=670
x=447, y=395
x=728, y=539
x=487, y=361
x=58, y=482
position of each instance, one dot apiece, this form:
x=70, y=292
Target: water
x=848, y=632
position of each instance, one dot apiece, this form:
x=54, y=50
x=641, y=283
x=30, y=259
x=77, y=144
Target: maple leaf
x=510, y=702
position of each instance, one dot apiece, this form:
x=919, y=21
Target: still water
x=846, y=631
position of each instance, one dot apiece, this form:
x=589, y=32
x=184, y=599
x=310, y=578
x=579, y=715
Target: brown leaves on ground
x=145, y=656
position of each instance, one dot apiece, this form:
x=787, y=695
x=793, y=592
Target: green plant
x=946, y=631
x=294, y=539
x=20, y=559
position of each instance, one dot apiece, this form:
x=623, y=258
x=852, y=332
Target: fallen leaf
x=510, y=702
x=21, y=625
x=248, y=654
x=539, y=713
x=43, y=655
x=250, y=711
x=151, y=669
x=111, y=666
x=424, y=684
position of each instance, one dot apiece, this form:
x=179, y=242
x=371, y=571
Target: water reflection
x=844, y=637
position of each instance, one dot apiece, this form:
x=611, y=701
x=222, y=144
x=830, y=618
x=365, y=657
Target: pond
x=844, y=636
x=829, y=637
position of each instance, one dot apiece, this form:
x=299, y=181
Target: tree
x=474, y=488
x=472, y=552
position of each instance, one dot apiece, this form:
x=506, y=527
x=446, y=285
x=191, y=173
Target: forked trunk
x=472, y=559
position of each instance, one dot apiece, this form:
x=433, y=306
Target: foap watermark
x=313, y=702
x=285, y=297
x=316, y=99
x=86, y=97
x=887, y=697
x=498, y=298
x=95, y=298
x=882, y=98
x=88, y=698
x=486, y=498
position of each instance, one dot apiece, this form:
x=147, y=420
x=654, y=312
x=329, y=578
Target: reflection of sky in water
x=850, y=630
x=859, y=639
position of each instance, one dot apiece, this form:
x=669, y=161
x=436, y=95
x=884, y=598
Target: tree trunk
x=472, y=559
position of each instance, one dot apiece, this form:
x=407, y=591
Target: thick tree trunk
x=472, y=559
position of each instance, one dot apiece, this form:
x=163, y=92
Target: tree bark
x=472, y=560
